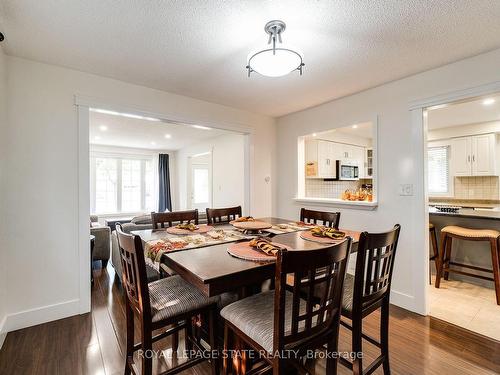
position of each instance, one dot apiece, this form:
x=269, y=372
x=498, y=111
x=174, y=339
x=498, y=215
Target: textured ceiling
x=198, y=48
x=111, y=130
x=469, y=112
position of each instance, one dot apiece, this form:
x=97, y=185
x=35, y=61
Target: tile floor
x=466, y=305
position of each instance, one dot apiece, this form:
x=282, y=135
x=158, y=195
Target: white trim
x=454, y=96
x=338, y=203
x=180, y=119
x=40, y=315
x=3, y=331
x=406, y=302
x=248, y=141
x=83, y=209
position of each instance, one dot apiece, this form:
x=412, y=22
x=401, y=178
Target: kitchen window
x=438, y=166
x=122, y=183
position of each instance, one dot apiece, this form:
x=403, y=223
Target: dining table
x=214, y=271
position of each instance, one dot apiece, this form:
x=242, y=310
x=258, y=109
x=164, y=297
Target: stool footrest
x=468, y=274
x=482, y=269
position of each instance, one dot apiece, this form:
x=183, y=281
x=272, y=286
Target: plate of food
x=242, y=219
x=323, y=235
x=189, y=228
x=259, y=249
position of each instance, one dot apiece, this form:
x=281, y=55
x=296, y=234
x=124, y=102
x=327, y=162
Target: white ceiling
x=198, y=48
x=135, y=133
x=470, y=112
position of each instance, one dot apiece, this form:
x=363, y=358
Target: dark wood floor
x=94, y=343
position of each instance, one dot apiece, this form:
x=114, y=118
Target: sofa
x=102, y=241
x=137, y=223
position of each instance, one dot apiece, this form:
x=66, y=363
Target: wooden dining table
x=214, y=271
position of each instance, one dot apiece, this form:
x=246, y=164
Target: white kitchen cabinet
x=474, y=156
x=461, y=161
x=324, y=154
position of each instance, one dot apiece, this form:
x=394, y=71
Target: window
x=122, y=183
x=439, y=170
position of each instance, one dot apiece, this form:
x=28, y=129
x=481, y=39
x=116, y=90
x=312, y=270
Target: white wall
x=228, y=178
x=3, y=165
x=42, y=176
x=401, y=153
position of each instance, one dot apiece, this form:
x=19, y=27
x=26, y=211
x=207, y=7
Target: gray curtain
x=165, y=199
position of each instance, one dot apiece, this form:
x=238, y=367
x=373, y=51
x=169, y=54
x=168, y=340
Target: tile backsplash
x=476, y=188
x=318, y=188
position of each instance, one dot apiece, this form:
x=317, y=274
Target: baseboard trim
x=3, y=332
x=40, y=315
x=404, y=301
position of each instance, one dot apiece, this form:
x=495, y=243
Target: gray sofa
x=102, y=240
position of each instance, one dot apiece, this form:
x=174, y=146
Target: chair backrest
x=134, y=278
x=328, y=219
x=310, y=316
x=374, y=266
x=223, y=215
x=166, y=219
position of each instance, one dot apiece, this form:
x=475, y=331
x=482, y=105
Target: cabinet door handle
x=468, y=159
x=473, y=157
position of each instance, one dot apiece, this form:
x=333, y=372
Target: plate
x=243, y=250
x=251, y=225
x=201, y=229
x=308, y=236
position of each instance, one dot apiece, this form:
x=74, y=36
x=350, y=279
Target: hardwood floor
x=94, y=343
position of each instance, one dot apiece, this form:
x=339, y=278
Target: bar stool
x=435, y=250
x=466, y=234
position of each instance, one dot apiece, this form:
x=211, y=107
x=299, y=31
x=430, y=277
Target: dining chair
x=223, y=215
x=166, y=219
x=169, y=301
x=329, y=219
x=273, y=321
x=367, y=291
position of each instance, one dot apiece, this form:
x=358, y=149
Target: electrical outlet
x=406, y=189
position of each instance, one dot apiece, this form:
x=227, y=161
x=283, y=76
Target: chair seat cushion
x=173, y=296
x=254, y=316
x=348, y=294
x=471, y=233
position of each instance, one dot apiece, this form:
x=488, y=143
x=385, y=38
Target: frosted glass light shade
x=277, y=64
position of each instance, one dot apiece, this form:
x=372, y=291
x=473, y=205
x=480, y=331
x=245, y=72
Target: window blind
x=439, y=170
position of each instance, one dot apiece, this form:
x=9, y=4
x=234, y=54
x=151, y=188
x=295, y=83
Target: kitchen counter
x=491, y=214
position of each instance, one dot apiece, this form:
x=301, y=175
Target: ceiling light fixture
x=276, y=61
x=97, y=138
x=488, y=101
x=129, y=115
x=201, y=127
x=103, y=128
x=153, y=143
x=314, y=134
x=168, y=136
x=355, y=126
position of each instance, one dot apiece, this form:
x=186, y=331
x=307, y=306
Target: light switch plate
x=406, y=189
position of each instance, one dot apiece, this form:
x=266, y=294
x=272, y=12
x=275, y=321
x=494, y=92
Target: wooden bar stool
x=434, y=245
x=466, y=234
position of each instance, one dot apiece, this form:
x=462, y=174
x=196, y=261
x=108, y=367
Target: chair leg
x=384, y=335
x=212, y=329
x=448, y=257
x=175, y=342
x=188, y=334
x=496, y=267
x=130, y=337
x=226, y=359
x=332, y=347
x=439, y=273
x=435, y=251
x=147, y=350
x=357, y=345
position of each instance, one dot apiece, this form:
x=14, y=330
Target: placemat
x=244, y=251
x=203, y=228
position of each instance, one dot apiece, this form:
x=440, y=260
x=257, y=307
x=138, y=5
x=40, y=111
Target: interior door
x=200, y=188
x=461, y=158
x=482, y=152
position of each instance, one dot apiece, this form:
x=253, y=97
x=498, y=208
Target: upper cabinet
x=474, y=156
x=321, y=157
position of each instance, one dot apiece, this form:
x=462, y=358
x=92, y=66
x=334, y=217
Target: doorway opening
x=463, y=172
x=200, y=182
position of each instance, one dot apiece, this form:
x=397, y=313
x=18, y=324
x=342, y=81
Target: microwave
x=347, y=171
